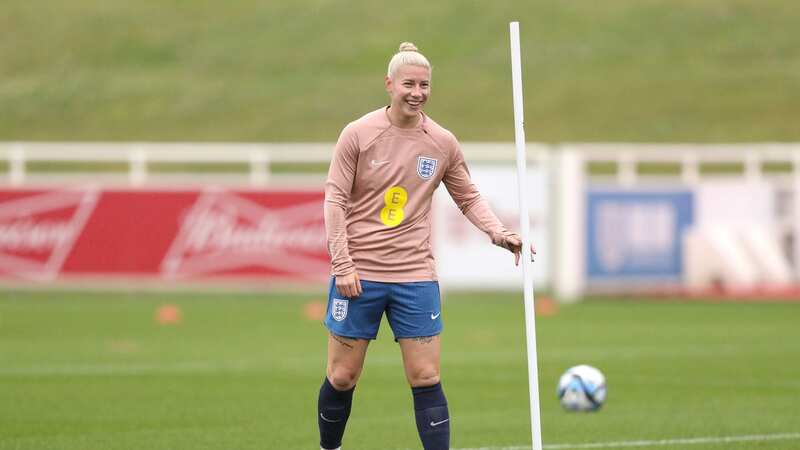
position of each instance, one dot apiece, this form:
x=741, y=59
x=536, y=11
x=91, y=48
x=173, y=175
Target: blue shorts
x=413, y=310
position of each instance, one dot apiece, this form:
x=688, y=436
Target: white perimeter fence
x=606, y=216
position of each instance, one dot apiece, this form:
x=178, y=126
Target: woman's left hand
x=513, y=243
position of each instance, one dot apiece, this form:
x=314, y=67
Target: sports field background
x=82, y=371
x=95, y=370
x=266, y=71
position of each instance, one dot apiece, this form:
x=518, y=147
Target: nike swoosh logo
x=375, y=163
x=328, y=420
x=436, y=424
x=436, y=316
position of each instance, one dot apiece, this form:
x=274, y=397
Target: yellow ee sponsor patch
x=395, y=199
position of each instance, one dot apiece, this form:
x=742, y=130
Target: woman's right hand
x=348, y=285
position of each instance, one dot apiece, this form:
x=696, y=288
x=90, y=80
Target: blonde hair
x=408, y=54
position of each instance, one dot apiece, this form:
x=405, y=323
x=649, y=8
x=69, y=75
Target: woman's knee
x=422, y=376
x=343, y=378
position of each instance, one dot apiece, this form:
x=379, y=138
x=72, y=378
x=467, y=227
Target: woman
x=385, y=169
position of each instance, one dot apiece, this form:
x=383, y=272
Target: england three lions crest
x=339, y=309
x=426, y=167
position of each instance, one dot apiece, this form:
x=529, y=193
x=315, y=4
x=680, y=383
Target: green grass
x=85, y=371
x=243, y=70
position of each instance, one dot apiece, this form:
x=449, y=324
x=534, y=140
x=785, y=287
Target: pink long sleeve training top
x=378, y=197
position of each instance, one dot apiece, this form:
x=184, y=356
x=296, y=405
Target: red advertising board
x=216, y=234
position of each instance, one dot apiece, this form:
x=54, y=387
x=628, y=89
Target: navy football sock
x=333, y=410
x=433, y=418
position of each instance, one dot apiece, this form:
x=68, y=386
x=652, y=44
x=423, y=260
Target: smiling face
x=409, y=89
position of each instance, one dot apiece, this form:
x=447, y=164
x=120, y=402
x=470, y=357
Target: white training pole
x=524, y=227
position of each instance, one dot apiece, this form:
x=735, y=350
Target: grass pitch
x=85, y=371
x=279, y=70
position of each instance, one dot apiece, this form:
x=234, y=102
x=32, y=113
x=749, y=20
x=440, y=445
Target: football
x=582, y=388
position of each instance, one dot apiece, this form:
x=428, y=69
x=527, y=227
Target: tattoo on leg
x=341, y=340
x=424, y=339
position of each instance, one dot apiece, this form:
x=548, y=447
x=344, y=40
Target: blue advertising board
x=636, y=234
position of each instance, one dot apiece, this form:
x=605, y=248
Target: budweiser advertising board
x=211, y=234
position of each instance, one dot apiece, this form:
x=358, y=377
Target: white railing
x=690, y=158
x=138, y=157
x=260, y=160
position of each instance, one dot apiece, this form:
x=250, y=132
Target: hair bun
x=408, y=47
